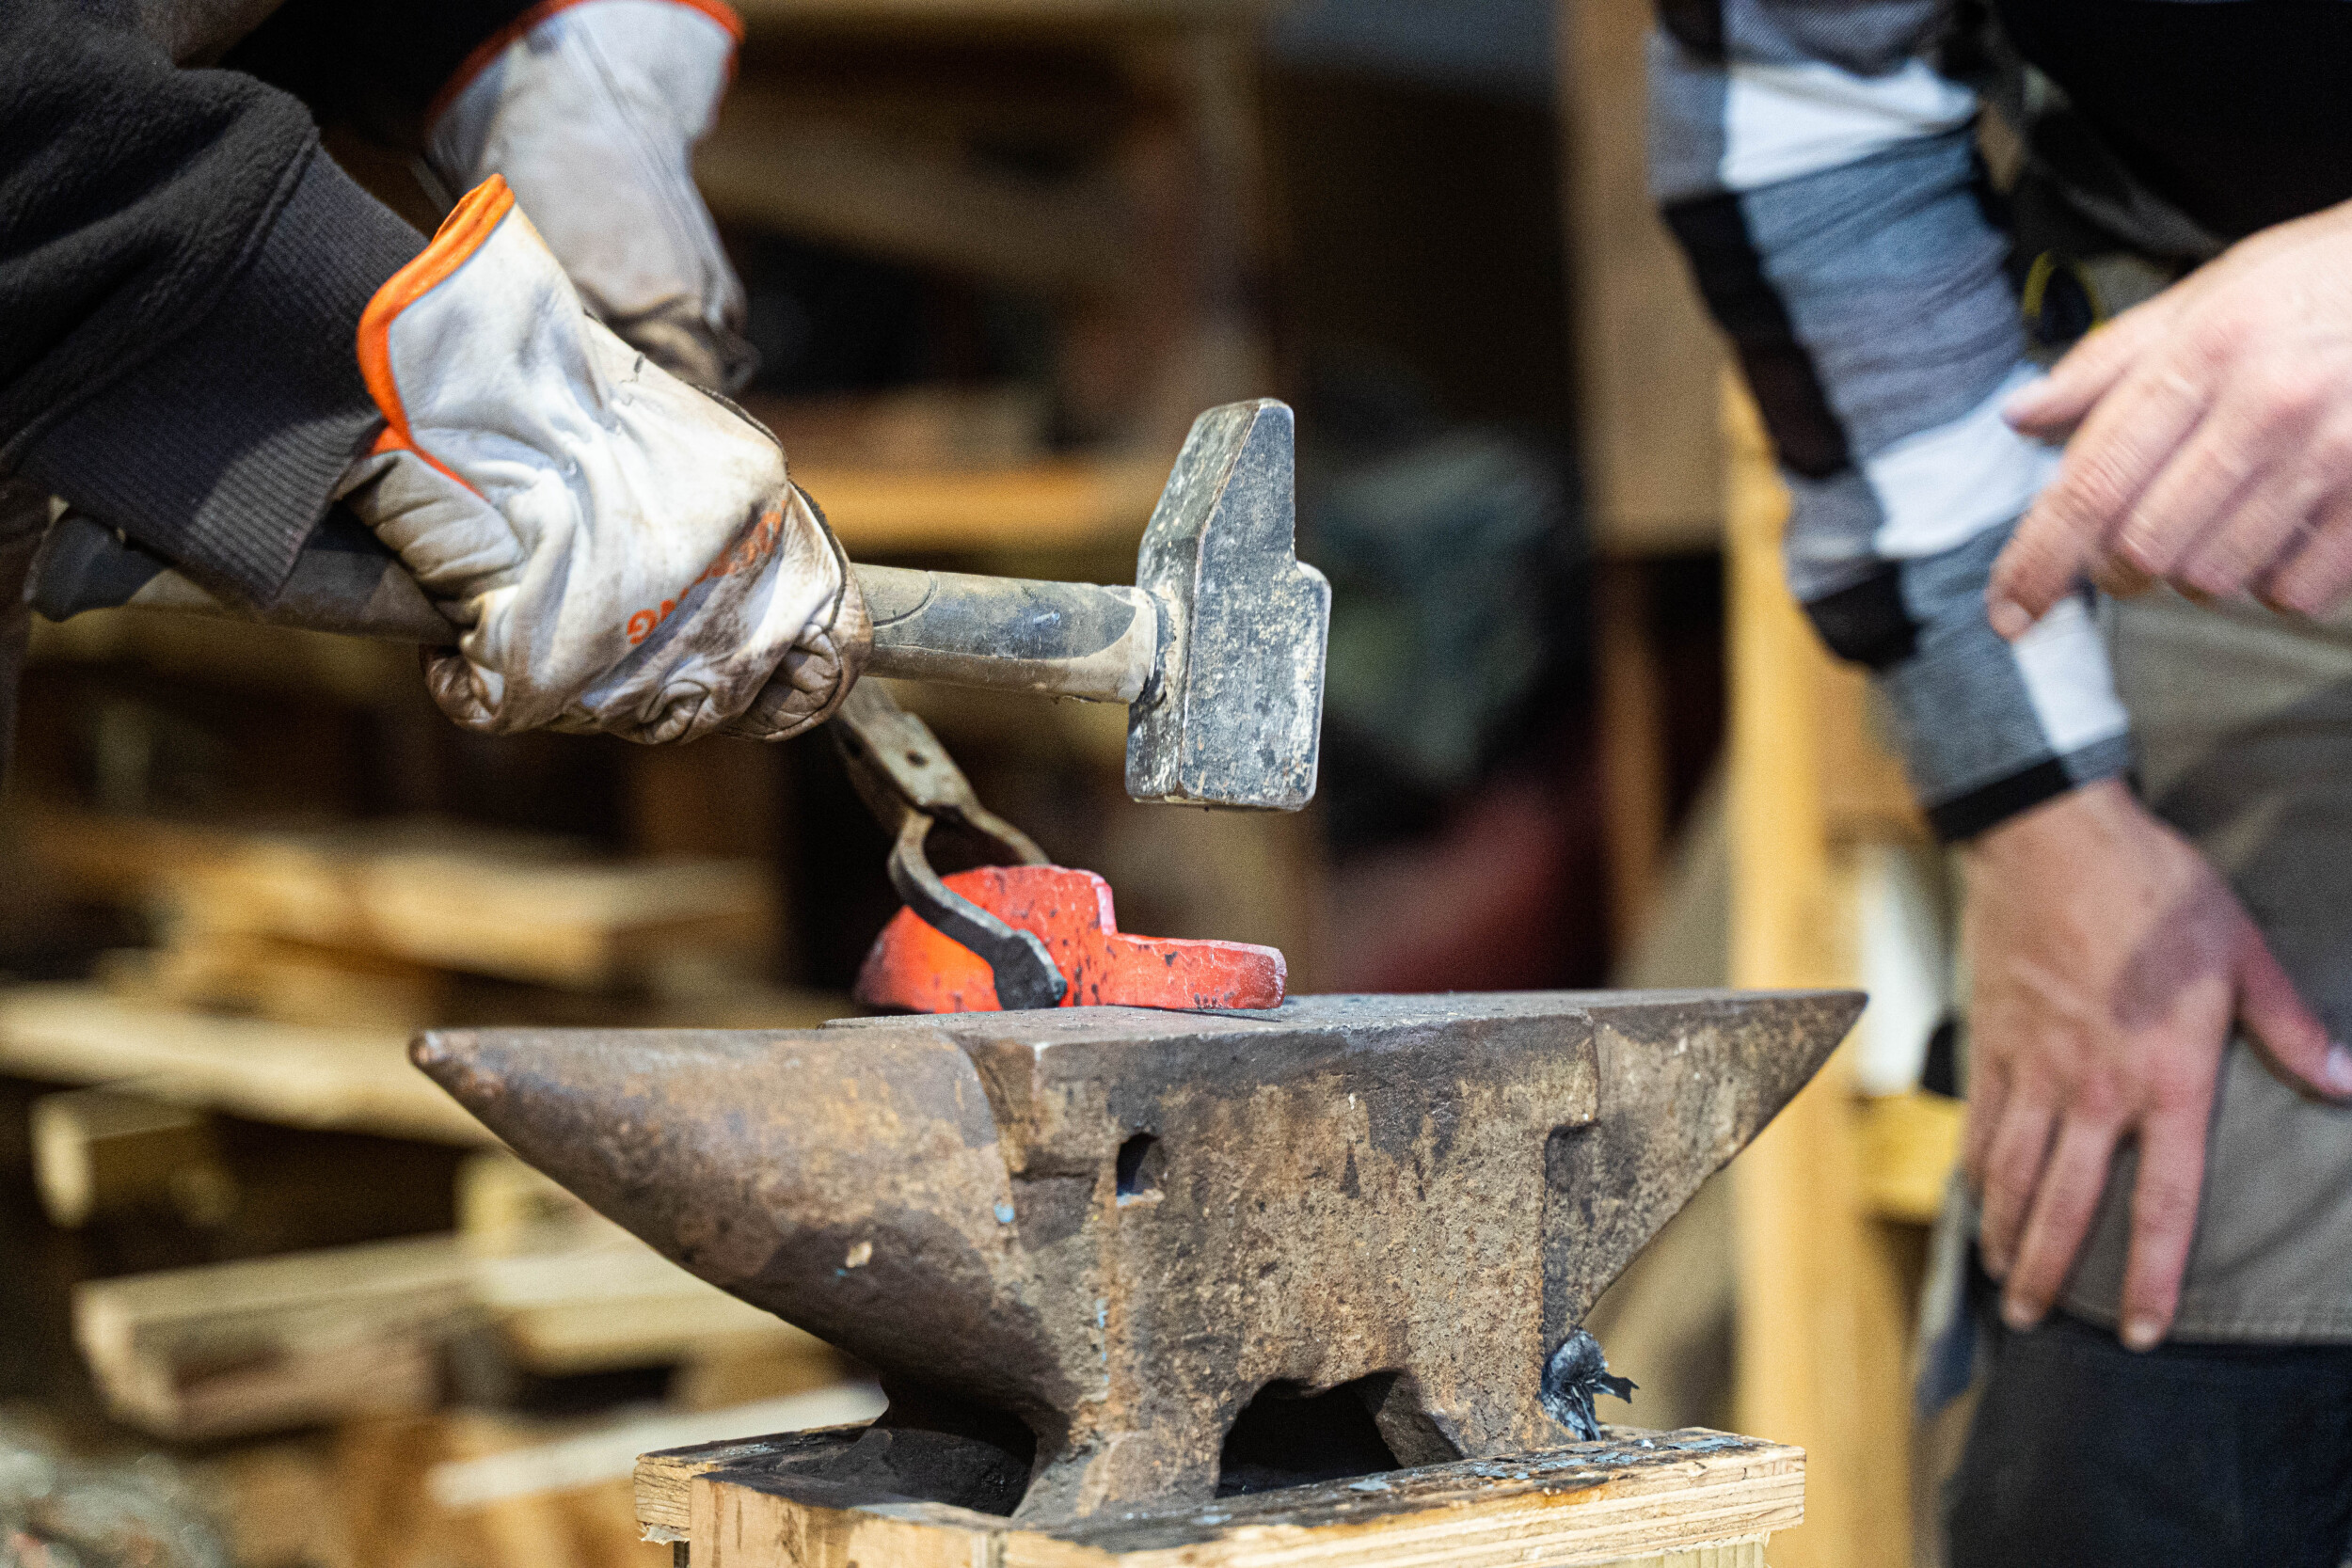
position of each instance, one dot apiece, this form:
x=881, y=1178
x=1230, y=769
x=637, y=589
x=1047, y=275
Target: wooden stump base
x=1691, y=1498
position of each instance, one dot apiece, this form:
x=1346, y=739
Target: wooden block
x=98, y=1153
x=1910, y=1148
x=273, y=1343
x=343, y=1080
x=1634, y=1497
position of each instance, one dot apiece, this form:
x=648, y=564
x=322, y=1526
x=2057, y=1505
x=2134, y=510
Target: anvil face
x=1107, y=1229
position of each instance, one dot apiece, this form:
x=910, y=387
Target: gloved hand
x=590, y=112
x=624, y=553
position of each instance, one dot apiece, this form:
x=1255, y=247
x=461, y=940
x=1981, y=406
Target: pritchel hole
x=1139, y=1163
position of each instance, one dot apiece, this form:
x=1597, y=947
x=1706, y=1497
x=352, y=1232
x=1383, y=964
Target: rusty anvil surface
x=1075, y=1243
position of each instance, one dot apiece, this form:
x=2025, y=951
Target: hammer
x=1216, y=650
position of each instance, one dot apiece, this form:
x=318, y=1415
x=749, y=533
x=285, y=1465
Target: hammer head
x=1235, y=715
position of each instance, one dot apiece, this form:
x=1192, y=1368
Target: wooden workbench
x=1691, y=1498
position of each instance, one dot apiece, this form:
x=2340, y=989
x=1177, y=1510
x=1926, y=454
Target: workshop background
x=267, y=1298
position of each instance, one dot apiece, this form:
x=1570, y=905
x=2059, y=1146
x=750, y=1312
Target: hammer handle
x=1066, y=638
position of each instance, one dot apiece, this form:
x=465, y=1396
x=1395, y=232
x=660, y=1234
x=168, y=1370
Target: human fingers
x=2063, y=1205
x=2120, y=447
x=2218, y=498
x=2055, y=403
x=1988, y=1092
x=2012, y=1170
x=2290, y=1033
x=2164, y=1217
x=2318, y=571
x=2289, y=430
x=2269, y=522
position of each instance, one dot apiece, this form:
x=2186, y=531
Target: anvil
x=1076, y=1244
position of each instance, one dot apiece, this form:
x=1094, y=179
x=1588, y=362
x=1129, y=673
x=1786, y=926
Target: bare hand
x=2111, y=961
x=2210, y=437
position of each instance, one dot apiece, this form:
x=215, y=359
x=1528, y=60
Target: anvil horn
x=1106, y=1230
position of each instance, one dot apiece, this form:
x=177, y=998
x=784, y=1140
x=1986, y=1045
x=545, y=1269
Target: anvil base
x=1662, y=1499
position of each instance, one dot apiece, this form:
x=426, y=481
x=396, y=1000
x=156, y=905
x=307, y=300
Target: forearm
x=182, y=272
x=1822, y=181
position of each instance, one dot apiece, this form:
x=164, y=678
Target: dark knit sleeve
x=182, y=273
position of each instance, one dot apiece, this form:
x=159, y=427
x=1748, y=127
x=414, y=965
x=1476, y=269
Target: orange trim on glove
x=462, y=233
x=492, y=47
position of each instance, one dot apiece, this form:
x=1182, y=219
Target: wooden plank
x=266, y=1344
x=1821, y=1322
x=1631, y=1498
x=98, y=1153
x=296, y=1075
x=1647, y=357
x=431, y=892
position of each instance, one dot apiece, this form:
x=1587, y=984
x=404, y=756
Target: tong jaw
x=908, y=781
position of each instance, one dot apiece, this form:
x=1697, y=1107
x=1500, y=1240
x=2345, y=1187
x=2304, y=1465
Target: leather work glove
x=591, y=110
x=623, y=551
